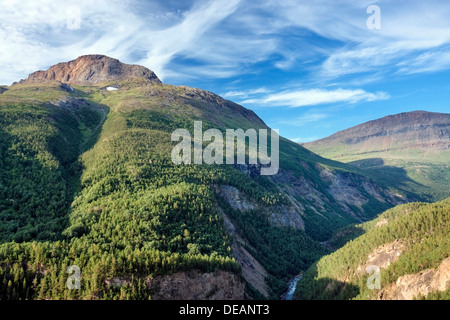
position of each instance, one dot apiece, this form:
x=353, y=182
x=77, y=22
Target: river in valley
x=291, y=287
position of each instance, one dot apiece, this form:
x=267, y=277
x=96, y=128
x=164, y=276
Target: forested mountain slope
x=409, y=244
x=87, y=180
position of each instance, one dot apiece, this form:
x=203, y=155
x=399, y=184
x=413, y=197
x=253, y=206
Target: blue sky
x=308, y=68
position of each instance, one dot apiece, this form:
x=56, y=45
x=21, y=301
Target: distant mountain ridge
x=393, y=136
x=92, y=69
x=409, y=150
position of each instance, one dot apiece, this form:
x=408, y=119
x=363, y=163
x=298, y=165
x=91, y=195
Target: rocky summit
x=90, y=70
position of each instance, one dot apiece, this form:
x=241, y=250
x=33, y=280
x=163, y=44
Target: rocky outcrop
x=282, y=215
x=252, y=271
x=382, y=222
x=190, y=285
x=287, y=216
x=344, y=190
x=412, y=286
x=234, y=198
x=194, y=285
x=71, y=103
x=383, y=256
x=349, y=192
x=90, y=70
x=352, y=190
x=297, y=186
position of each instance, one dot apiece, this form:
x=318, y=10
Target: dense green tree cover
x=424, y=229
x=36, y=153
x=86, y=179
x=127, y=219
x=134, y=213
x=38, y=270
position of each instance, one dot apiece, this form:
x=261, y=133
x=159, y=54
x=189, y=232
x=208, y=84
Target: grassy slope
x=427, y=179
x=424, y=228
x=424, y=173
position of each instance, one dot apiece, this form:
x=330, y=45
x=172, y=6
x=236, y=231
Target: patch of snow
x=111, y=88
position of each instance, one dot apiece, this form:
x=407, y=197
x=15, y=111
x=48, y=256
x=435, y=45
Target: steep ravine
x=292, y=285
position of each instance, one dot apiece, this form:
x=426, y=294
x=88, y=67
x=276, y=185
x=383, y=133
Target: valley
x=87, y=179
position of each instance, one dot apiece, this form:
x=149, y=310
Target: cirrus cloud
x=216, y=39
x=312, y=97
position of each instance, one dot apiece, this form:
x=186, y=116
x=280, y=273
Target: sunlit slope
x=409, y=243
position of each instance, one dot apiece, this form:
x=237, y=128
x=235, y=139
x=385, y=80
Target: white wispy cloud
x=304, y=139
x=182, y=37
x=407, y=31
x=313, y=97
x=244, y=93
x=305, y=119
x=37, y=33
x=225, y=38
x=426, y=62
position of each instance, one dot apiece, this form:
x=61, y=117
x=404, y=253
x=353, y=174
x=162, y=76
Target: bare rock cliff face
x=90, y=70
x=411, y=286
x=195, y=285
x=190, y=285
x=383, y=256
x=345, y=188
x=252, y=271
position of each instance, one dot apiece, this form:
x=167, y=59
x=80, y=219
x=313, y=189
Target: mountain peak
x=92, y=69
